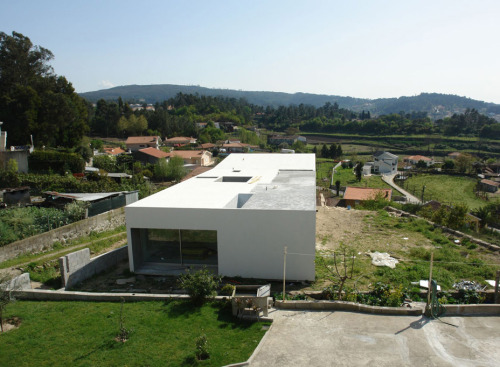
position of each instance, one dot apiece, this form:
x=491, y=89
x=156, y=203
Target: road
x=389, y=179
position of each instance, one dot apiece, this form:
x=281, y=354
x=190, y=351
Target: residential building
x=151, y=155
x=414, y=159
x=385, y=163
x=353, y=196
x=180, y=141
x=235, y=219
x=135, y=143
x=194, y=157
x=113, y=151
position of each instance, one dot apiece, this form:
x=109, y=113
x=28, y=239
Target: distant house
x=236, y=147
x=414, y=159
x=207, y=146
x=367, y=168
x=18, y=153
x=135, y=143
x=113, y=151
x=194, y=157
x=98, y=202
x=180, y=141
x=454, y=155
x=385, y=163
x=150, y=155
x=355, y=195
x=281, y=139
x=19, y=196
x=488, y=185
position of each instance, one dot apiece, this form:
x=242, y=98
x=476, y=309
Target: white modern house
x=236, y=219
x=385, y=163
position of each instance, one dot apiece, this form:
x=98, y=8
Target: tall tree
x=33, y=100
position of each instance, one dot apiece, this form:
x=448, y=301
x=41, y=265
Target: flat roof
x=245, y=181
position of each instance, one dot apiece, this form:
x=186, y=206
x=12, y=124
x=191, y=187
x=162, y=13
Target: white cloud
x=106, y=84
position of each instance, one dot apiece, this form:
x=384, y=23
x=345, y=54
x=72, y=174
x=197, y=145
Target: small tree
x=337, y=187
x=343, y=260
x=359, y=171
x=12, y=167
x=200, y=285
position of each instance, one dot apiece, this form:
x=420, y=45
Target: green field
x=347, y=178
x=164, y=334
x=446, y=189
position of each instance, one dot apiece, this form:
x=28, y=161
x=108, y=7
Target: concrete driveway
x=314, y=338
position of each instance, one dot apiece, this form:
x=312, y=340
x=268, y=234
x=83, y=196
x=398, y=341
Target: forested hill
x=435, y=104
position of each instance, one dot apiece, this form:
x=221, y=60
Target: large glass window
x=199, y=247
x=174, y=246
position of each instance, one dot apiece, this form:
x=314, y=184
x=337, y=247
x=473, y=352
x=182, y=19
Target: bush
x=200, y=285
x=52, y=161
x=202, y=347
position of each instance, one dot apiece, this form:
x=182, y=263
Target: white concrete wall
x=250, y=242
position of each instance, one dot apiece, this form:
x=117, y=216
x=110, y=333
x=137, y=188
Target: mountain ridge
x=436, y=105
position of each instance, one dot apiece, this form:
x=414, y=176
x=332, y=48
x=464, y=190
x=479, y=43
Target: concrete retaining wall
x=21, y=282
x=346, y=306
x=472, y=310
x=77, y=266
x=99, y=223
x=48, y=295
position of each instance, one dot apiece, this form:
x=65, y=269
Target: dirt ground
x=335, y=225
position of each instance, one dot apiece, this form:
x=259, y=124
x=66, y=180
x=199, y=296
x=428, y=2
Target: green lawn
x=446, y=189
x=347, y=178
x=83, y=334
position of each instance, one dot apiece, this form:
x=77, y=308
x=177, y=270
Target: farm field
x=163, y=334
x=447, y=189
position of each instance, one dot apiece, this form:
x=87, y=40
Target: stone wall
x=42, y=242
x=77, y=266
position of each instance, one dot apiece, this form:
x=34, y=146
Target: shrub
x=200, y=285
x=202, y=347
x=227, y=290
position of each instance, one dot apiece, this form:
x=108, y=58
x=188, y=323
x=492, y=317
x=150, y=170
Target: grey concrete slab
x=313, y=338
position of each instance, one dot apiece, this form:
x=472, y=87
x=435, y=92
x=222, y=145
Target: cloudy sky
x=367, y=49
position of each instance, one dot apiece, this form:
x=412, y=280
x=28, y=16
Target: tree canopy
x=34, y=100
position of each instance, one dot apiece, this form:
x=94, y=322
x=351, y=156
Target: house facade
x=235, y=219
x=197, y=157
x=135, y=143
x=414, y=159
x=354, y=196
x=385, y=163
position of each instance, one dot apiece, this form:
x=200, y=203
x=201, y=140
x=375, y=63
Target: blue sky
x=366, y=49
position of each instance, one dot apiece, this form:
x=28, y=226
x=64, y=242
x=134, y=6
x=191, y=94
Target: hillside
x=435, y=104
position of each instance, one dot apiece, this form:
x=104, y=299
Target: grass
x=163, y=334
x=93, y=241
x=347, y=178
x=411, y=241
x=46, y=270
x=446, y=189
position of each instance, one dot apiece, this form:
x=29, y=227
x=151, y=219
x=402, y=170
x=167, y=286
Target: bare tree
x=343, y=267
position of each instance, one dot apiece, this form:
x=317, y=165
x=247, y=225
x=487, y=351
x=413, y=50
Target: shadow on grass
x=180, y=308
x=107, y=345
x=189, y=361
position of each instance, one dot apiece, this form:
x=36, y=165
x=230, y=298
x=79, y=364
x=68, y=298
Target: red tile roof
x=489, y=182
x=207, y=145
x=186, y=154
x=141, y=139
x=154, y=152
x=419, y=158
x=365, y=193
x=114, y=151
